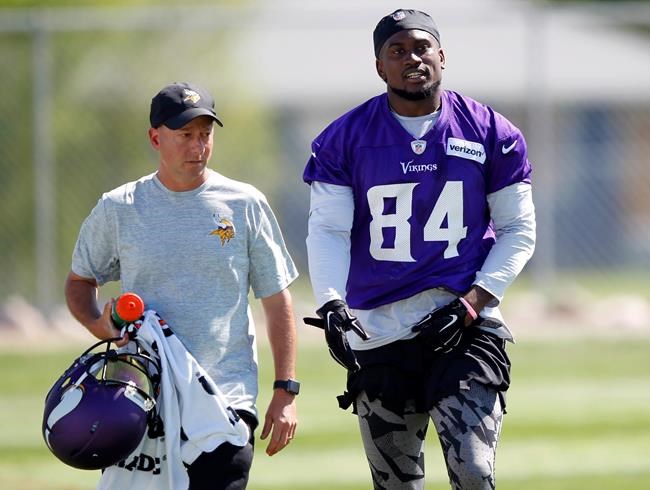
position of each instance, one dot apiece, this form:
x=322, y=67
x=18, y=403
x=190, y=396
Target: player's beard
x=425, y=93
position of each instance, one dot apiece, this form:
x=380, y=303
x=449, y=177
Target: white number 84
x=449, y=205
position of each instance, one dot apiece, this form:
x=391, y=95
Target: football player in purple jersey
x=421, y=216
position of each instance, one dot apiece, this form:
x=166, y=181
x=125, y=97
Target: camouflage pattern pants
x=468, y=426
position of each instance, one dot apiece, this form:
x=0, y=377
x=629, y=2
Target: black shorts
x=227, y=467
x=410, y=370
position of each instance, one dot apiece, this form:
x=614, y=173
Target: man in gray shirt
x=192, y=243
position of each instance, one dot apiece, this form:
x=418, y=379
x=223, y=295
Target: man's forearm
x=81, y=298
x=478, y=298
x=281, y=330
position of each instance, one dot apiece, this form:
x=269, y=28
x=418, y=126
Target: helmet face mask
x=97, y=412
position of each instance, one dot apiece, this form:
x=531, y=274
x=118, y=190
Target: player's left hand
x=280, y=421
x=443, y=328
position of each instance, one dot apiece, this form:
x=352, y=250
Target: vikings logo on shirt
x=225, y=229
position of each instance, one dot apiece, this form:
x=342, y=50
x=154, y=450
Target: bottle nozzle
x=127, y=308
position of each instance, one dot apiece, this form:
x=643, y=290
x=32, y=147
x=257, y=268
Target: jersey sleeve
x=509, y=162
x=327, y=162
x=271, y=267
x=95, y=253
x=331, y=213
x=513, y=214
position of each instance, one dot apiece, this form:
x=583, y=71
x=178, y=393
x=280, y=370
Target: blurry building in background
x=576, y=80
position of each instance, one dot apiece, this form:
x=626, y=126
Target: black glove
x=443, y=328
x=336, y=320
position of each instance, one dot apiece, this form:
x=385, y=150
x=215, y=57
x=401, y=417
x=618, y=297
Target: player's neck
x=414, y=108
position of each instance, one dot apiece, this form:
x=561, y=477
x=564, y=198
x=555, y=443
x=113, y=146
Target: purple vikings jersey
x=421, y=217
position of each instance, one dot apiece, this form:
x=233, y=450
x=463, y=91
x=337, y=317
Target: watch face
x=290, y=385
x=293, y=387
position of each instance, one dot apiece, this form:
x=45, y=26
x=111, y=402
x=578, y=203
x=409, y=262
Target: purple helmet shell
x=97, y=412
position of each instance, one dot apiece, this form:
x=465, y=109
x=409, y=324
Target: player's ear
x=379, y=66
x=441, y=54
x=154, y=138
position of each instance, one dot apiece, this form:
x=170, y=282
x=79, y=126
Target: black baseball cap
x=179, y=103
x=402, y=20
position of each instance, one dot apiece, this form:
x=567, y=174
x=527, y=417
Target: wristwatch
x=289, y=385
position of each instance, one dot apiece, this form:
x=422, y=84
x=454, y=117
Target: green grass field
x=579, y=418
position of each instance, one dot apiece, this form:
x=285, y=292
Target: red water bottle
x=127, y=308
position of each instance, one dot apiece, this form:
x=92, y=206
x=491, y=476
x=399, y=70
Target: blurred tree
x=109, y=3
x=102, y=84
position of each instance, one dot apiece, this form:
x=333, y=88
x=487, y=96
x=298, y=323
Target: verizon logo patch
x=466, y=149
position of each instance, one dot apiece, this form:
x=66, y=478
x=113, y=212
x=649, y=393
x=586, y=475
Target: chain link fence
x=76, y=87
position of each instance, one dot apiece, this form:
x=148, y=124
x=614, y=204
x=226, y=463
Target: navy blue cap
x=177, y=104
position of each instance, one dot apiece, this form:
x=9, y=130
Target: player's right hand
x=336, y=320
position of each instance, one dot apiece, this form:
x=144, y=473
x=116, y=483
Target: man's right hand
x=111, y=331
x=443, y=328
x=336, y=320
x=81, y=297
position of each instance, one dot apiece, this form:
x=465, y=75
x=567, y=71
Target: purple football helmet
x=97, y=412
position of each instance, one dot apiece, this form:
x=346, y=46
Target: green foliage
x=101, y=88
x=107, y=3
x=16, y=192
x=594, y=1
x=578, y=419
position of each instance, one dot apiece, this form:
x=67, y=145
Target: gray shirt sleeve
x=95, y=254
x=271, y=266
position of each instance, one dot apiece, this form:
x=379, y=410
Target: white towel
x=189, y=399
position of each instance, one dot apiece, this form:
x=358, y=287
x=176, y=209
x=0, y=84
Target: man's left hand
x=443, y=328
x=280, y=421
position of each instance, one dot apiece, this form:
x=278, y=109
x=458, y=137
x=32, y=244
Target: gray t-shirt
x=193, y=257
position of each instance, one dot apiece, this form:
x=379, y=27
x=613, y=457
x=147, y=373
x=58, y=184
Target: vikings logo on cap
x=399, y=15
x=191, y=95
x=225, y=229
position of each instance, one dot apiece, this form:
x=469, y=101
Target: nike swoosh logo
x=329, y=314
x=451, y=322
x=507, y=149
